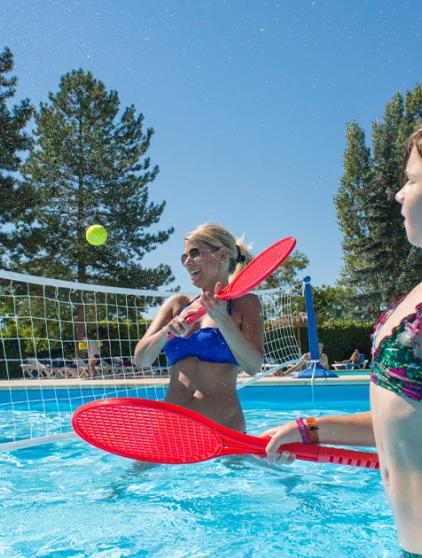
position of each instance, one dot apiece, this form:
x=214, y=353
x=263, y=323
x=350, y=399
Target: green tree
x=411, y=270
x=287, y=275
x=331, y=303
x=14, y=199
x=386, y=242
x=88, y=166
x=379, y=263
x=351, y=202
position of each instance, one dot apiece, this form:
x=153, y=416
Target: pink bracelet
x=303, y=429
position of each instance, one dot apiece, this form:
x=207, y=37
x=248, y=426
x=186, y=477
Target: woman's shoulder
x=248, y=302
x=175, y=302
x=178, y=299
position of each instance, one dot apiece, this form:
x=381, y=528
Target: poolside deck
x=281, y=381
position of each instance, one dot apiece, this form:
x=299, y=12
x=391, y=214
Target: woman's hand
x=213, y=305
x=283, y=434
x=178, y=327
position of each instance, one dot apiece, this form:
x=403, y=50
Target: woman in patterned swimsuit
x=205, y=358
x=394, y=423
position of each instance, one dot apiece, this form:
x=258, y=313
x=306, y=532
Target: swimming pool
x=72, y=500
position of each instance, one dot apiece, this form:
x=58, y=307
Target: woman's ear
x=223, y=254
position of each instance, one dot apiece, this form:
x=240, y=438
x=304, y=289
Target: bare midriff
x=208, y=388
x=397, y=423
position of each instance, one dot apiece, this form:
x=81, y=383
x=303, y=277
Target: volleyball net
x=63, y=344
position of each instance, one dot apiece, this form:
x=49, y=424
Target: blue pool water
x=71, y=500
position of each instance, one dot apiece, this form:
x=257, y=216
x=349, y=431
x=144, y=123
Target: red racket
x=253, y=274
x=164, y=433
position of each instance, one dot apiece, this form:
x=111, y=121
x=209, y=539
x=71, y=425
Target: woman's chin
x=415, y=238
x=196, y=280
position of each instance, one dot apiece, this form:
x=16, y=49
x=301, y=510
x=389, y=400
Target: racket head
x=146, y=430
x=259, y=268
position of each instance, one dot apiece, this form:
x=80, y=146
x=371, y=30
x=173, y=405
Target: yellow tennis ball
x=96, y=235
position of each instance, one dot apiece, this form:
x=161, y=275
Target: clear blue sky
x=249, y=99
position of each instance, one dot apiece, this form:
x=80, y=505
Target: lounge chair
x=124, y=365
x=107, y=367
x=29, y=370
x=362, y=362
x=64, y=369
x=38, y=369
x=81, y=368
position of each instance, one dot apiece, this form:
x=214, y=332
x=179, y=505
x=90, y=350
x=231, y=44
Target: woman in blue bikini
x=206, y=357
x=394, y=423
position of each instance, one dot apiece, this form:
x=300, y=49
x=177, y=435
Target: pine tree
x=411, y=270
x=380, y=264
x=350, y=199
x=350, y=202
x=386, y=244
x=13, y=143
x=89, y=166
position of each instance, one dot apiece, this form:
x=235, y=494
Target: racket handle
x=327, y=454
x=306, y=452
x=191, y=319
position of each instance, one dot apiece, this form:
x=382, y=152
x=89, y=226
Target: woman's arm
x=345, y=430
x=303, y=362
x=247, y=344
x=152, y=343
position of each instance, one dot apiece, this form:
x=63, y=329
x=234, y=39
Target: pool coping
x=282, y=381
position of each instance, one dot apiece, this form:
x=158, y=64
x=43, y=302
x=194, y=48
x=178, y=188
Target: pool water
x=71, y=500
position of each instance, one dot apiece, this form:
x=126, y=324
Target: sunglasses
x=195, y=253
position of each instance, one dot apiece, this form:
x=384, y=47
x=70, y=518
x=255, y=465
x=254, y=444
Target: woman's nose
x=400, y=196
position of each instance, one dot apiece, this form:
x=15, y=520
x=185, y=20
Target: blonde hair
x=414, y=140
x=217, y=236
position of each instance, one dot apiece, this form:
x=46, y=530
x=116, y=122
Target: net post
x=315, y=370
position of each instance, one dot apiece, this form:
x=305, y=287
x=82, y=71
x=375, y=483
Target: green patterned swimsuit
x=397, y=363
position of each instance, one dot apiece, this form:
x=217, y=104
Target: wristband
x=303, y=429
x=311, y=424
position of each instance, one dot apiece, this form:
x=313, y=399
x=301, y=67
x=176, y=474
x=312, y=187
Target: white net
x=63, y=344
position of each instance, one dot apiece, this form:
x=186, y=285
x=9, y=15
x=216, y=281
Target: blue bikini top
x=206, y=344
